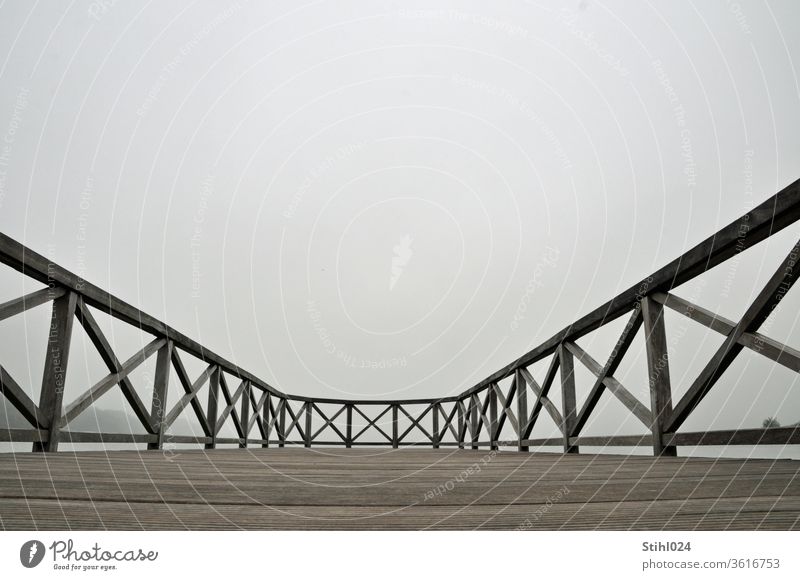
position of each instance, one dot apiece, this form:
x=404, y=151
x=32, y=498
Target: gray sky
x=375, y=199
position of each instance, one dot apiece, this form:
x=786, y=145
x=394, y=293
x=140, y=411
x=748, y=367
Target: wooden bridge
x=310, y=462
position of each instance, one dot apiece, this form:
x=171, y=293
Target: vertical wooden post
x=494, y=436
x=158, y=409
x=522, y=409
x=309, y=413
x=568, y=403
x=212, y=412
x=436, y=409
x=658, y=373
x=348, y=442
x=474, y=420
x=55, y=367
x=394, y=427
x=244, y=418
x=282, y=423
x=461, y=430
x=266, y=420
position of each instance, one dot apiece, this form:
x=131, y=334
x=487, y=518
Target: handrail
x=71, y=295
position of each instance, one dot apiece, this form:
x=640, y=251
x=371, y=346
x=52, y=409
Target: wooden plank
x=782, y=354
x=106, y=352
x=309, y=413
x=282, y=422
x=189, y=439
x=395, y=439
x=297, y=488
x=659, y=383
x=448, y=422
x=613, y=440
x=32, y=300
x=158, y=408
x=189, y=389
x=329, y=423
x=541, y=394
x=295, y=420
x=771, y=436
x=349, y=433
x=85, y=400
x=245, y=413
x=21, y=401
x=769, y=297
x=230, y=405
x=258, y=407
x=505, y=406
x=212, y=405
x=491, y=397
x=190, y=396
x=372, y=423
x=462, y=423
x=639, y=410
x=415, y=422
x=541, y=398
x=474, y=424
x=265, y=425
x=90, y=437
x=437, y=409
x=55, y=368
x=614, y=359
x=568, y=402
x=23, y=435
x=522, y=408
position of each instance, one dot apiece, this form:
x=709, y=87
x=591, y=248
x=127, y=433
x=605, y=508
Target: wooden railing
x=263, y=415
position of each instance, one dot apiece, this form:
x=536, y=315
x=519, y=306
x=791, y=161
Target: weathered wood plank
x=296, y=488
x=32, y=300
x=776, y=287
x=21, y=401
x=51, y=395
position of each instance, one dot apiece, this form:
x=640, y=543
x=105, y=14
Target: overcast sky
x=371, y=199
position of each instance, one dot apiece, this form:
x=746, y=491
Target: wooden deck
x=392, y=489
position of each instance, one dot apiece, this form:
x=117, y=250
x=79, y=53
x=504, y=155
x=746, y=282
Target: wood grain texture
x=384, y=488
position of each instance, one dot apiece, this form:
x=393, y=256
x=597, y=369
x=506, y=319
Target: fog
x=395, y=199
